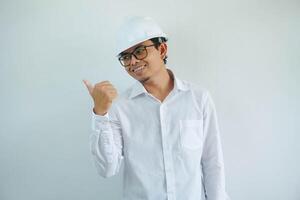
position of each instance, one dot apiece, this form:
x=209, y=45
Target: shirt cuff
x=100, y=122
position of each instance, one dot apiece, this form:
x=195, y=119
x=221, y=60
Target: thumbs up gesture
x=103, y=94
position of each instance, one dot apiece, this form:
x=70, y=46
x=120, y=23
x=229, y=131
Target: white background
x=246, y=53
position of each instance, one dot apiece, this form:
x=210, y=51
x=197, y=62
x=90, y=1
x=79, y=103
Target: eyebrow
x=125, y=53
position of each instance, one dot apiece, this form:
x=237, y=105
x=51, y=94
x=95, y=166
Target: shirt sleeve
x=212, y=158
x=106, y=144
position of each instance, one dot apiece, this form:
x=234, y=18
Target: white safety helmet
x=135, y=30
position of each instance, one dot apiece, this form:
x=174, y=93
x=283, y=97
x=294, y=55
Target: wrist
x=99, y=112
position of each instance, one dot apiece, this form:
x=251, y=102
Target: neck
x=160, y=85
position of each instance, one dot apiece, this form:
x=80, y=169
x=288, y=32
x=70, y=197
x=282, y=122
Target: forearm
x=212, y=159
x=105, y=146
x=214, y=179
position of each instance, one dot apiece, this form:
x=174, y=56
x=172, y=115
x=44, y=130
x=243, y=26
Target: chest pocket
x=191, y=134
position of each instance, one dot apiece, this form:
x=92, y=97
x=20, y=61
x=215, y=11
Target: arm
x=106, y=138
x=106, y=143
x=212, y=158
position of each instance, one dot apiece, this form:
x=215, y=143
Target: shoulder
x=202, y=97
x=200, y=92
x=124, y=96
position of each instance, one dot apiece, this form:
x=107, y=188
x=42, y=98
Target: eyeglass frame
x=132, y=53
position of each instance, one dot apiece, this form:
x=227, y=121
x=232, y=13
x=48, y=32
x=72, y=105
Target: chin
x=143, y=80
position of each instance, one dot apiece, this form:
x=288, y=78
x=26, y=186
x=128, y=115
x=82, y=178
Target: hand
x=103, y=94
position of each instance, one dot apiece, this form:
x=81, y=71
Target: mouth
x=138, y=69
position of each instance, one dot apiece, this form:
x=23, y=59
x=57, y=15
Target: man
x=163, y=129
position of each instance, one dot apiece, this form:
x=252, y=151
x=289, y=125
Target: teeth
x=138, y=69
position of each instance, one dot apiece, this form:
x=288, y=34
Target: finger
x=104, y=83
x=88, y=85
x=110, y=91
x=109, y=87
x=104, y=86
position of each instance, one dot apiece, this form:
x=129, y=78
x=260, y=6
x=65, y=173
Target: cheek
x=152, y=60
x=154, y=63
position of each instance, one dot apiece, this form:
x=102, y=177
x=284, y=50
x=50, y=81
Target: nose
x=133, y=60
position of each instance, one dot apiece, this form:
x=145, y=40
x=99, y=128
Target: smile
x=138, y=69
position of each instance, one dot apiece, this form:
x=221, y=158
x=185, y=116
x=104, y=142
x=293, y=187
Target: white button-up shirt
x=171, y=150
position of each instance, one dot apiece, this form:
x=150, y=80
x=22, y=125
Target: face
x=143, y=70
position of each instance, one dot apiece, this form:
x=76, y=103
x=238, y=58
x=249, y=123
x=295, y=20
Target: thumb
x=88, y=85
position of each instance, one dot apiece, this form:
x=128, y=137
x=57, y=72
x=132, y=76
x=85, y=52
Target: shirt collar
x=138, y=87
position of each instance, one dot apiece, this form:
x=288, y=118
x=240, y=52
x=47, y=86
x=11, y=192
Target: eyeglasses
x=139, y=53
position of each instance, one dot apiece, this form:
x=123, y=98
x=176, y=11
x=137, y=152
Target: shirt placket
x=167, y=156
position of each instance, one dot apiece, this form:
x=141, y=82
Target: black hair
x=157, y=41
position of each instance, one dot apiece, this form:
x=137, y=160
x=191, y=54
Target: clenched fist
x=103, y=94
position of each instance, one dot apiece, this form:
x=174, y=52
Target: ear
x=163, y=48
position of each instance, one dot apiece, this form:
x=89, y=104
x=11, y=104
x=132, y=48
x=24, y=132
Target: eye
x=126, y=57
x=139, y=51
